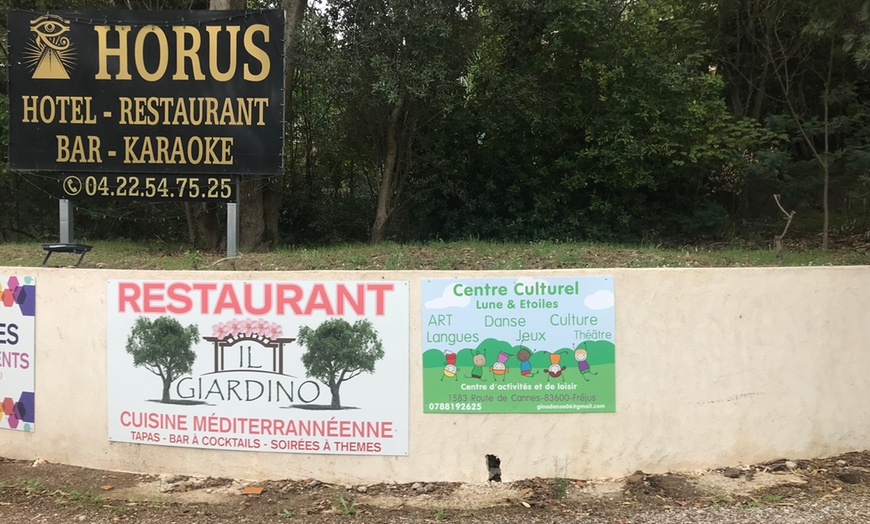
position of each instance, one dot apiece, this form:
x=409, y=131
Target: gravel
x=829, y=512
x=834, y=490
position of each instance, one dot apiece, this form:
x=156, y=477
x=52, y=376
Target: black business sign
x=156, y=92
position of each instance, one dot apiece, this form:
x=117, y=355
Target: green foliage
x=345, y=507
x=755, y=250
x=560, y=488
x=31, y=485
x=807, y=86
x=588, y=119
x=373, y=75
x=671, y=121
x=163, y=347
x=338, y=351
x=194, y=258
x=85, y=498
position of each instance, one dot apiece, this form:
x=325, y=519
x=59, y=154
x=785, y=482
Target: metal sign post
x=232, y=229
x=66, y=222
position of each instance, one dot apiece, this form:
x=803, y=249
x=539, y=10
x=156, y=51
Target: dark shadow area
x=318, y=407
x=493, y=465
x=180, y=402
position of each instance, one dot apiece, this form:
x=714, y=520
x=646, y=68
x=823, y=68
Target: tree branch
x=788, y=216
x=151, y=368
x=778, y=239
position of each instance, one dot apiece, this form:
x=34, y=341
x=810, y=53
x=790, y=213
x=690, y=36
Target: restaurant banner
x=296, y=367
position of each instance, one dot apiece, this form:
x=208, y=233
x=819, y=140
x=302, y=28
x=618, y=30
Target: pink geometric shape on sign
x=12, y=283
x=8, y=406
x=13, y=421
x=7, y=297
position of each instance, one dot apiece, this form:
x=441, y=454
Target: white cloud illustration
x=447, y=299
x=599, y=300
x=530, y=281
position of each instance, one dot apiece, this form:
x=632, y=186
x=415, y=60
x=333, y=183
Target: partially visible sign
x=205, y=188
x=519, y=345
x=193, y=92
x=17, y=314
x=292, y=367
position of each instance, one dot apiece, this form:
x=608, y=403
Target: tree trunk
x=273, y=190
x=826, y=156
x=167, y=383
x=794, y=102
x=225, y=5
x=294, y=10
x=251, y=222
x=826, y=213
x=336, y=398
x=260, y=197
x=389, y=179
x=203, y=224
x=203, y=220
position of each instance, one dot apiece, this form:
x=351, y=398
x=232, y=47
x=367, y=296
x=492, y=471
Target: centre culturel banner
x=519, y=345
x=157, y=92
x=17, y=357
x=294, y=367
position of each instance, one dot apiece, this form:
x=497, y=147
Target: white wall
x=714, y=367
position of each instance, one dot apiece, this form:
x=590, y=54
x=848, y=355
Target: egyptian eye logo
x=50, y=54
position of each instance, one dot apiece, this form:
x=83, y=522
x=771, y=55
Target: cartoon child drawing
x=450, y=368
x=499, y=369
x=555, y=370
x=523, y=355
x=580, y=355
x=479, y=360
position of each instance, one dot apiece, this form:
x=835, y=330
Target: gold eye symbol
x=50, y=54
x=49, y=28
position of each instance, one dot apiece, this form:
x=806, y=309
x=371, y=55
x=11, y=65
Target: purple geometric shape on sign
x=25, y=406
x=8, y=406
x=12, y=283
x=7, y=297
x=12, y=421
x=27, y=300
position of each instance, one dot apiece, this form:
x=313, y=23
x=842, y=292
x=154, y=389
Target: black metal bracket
x=79, y=249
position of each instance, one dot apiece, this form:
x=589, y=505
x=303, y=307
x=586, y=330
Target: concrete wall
x=714, y=367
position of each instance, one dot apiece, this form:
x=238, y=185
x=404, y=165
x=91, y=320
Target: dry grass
x=432, y=256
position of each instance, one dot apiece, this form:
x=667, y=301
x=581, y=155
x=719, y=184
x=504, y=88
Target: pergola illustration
x=262, y=333
x=277, y=347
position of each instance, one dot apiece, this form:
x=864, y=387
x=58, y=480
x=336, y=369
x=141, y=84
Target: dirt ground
x=41, y=492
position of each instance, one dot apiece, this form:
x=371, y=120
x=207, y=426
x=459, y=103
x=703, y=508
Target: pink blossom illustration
x=249, y=327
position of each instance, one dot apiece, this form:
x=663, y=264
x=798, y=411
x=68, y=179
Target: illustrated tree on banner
x=338, y=351
x=163, y=347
